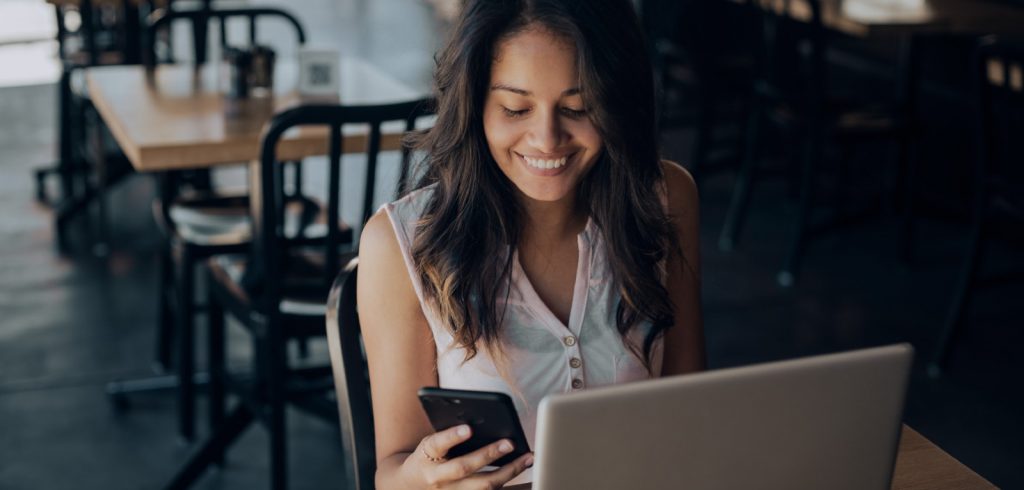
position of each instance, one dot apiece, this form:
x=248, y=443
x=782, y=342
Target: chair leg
x=812, y=157
x=165, y=315
x=955, y=319
x=74, y=168
x=234, y=425
x=40, y=178
x=186, y=368
x=741, y=193
x=303, y=346
x=909, y=164
x=66, y=135
x=101, y=247
x=217, y=369
x=842, y=184
x=276, y=367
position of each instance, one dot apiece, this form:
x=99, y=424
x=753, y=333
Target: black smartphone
x=491, y=415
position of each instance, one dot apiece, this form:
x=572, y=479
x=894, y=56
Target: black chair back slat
x=62, y=32
x=252, y=30
x=403, y=172
x=351, y=381
x=223, y=33
x=279, y=197
x=200, y=36
x=333, y=198
x=372, y=148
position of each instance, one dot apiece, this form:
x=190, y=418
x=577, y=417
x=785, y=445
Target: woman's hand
x=427, y=463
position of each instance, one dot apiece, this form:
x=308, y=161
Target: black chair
x=279, y=290
x=998, y=197
x=198, y=220
x=160, y=20
x=351, y=381
x=798, y=99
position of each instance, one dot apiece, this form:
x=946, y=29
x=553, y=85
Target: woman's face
x=536, y=125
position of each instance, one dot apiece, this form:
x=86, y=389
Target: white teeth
x=545, y=164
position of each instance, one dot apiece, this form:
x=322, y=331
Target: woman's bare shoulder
x=680, y=189
x=378, y=237
x=380, y=257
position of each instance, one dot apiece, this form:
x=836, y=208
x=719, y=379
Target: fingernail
x=529, y=461
x=505, y=446
x=462, y=431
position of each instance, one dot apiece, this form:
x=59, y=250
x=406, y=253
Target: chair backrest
x=351, y=380
x=999, y=75
x=200, y=18
x=270, y=243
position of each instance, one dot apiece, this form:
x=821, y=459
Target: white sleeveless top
x=544, y=356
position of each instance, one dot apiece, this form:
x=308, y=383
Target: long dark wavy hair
x=461, y=249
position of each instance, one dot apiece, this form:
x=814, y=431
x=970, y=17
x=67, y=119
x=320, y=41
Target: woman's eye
x=514, y=114
x=574, y=113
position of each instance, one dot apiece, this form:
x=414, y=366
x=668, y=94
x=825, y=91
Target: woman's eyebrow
x=527, y=93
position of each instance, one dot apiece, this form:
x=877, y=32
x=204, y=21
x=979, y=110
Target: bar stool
x=998, y=176
x=802, y=104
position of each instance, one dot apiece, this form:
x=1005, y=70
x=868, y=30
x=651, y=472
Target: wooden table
x=920, y=465
x=863, y=18
x=176, y=118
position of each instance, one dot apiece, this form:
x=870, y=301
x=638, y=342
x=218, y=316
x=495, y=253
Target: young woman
x=547, y=250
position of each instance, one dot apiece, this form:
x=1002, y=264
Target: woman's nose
x=546, y=134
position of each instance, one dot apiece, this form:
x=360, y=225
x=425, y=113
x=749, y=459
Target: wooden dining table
x=176, y=117
x=920, y=465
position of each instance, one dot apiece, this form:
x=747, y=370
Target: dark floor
x=70, y=324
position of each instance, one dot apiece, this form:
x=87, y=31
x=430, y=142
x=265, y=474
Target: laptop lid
x=830, y=421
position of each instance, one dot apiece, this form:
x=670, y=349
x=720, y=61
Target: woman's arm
x=399, y=348
x=684, y=341
x=402, y=358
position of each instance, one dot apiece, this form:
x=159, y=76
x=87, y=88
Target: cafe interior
x=860, y=167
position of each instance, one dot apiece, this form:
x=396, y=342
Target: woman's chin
x=544, y=193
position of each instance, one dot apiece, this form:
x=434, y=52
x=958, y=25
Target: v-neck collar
x=584, y=242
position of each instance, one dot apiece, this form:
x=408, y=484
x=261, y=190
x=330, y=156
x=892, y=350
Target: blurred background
x=859, y=163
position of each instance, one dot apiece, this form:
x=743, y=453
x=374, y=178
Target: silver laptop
x=825, y=422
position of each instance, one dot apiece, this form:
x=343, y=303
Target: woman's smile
x=546, y=166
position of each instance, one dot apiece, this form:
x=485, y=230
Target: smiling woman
x=547, y=248
x=540, y=137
